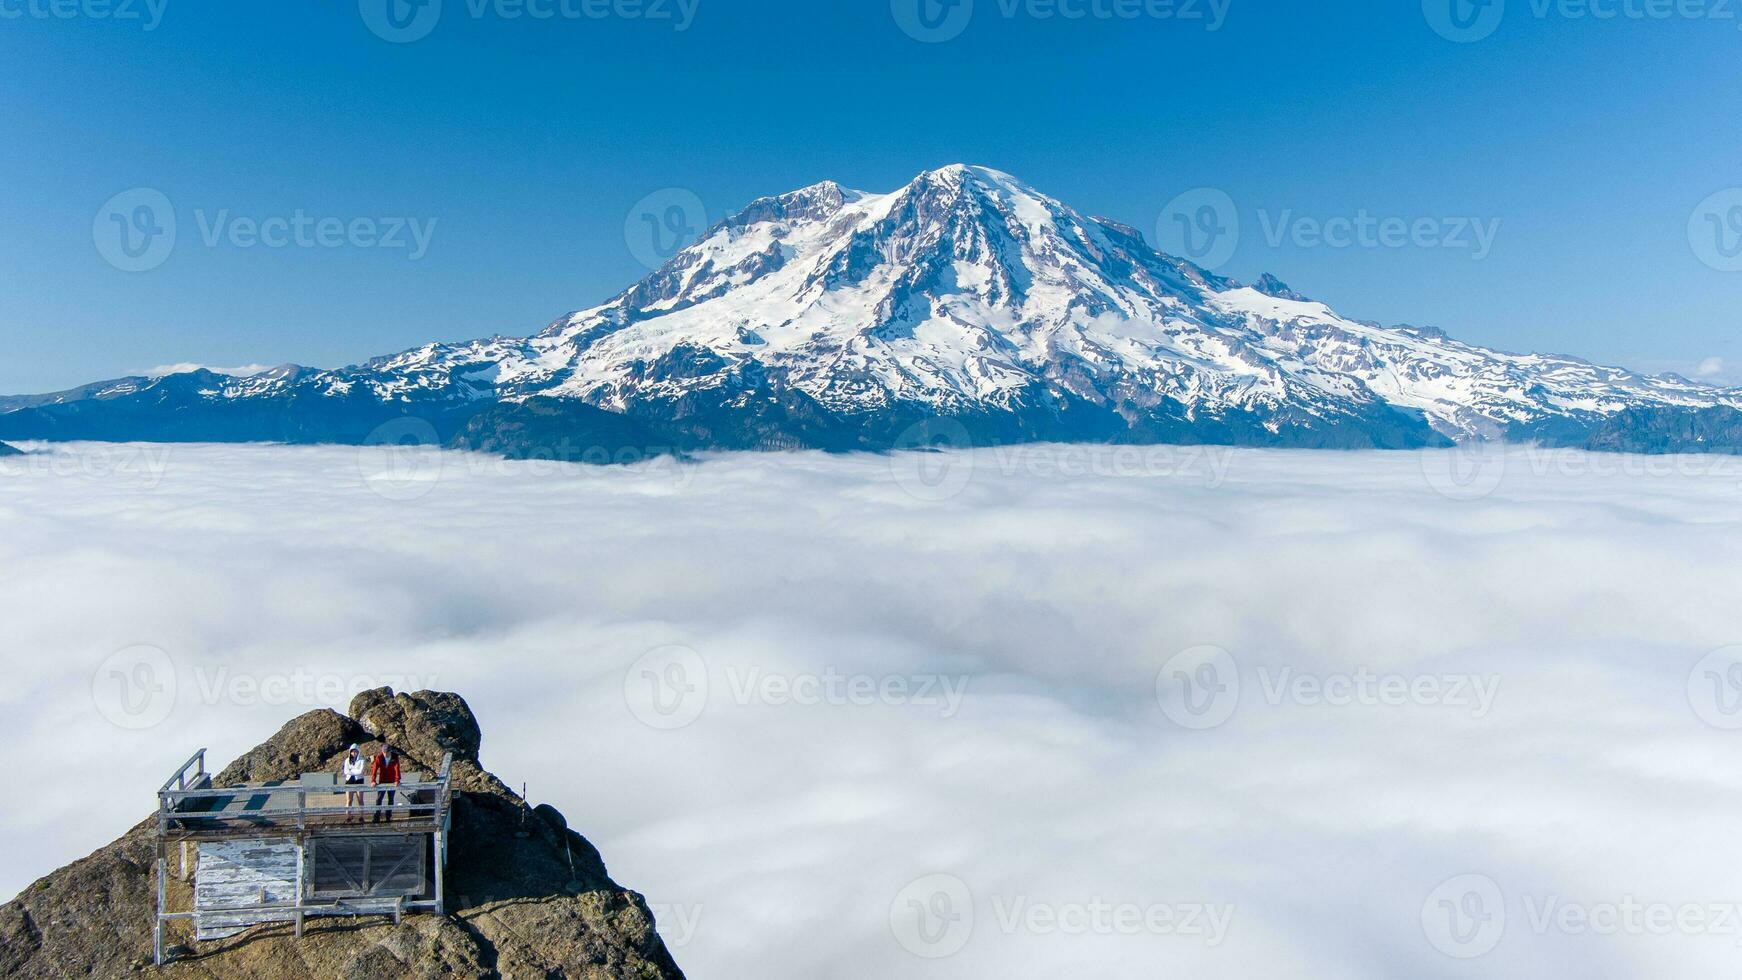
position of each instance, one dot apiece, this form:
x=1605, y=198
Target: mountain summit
x=528, y=896
x=834, y=318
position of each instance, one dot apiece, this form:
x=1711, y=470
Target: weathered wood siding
x=368, y=867
x=245, y=874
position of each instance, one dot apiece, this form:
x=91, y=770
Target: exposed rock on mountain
x=538, y=905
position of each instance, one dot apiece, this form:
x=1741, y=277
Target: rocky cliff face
x=6, y=450
x=541, y=905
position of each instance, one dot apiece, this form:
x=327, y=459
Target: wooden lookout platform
x=284, y=851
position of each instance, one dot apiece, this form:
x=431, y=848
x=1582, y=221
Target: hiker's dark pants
x=381, y=815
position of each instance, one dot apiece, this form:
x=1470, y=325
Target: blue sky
x=508, y=154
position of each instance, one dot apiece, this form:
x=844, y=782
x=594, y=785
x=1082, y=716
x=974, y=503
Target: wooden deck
x=314, y=805
x=275, y=826
x=287, y=808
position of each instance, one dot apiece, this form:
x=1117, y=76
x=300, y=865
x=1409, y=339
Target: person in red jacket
x=384, y=771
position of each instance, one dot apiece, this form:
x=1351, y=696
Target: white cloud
x=1589, y=587
x=1710, y=367
x=188, y=367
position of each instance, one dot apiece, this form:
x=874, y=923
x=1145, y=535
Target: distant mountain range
x=965, y=306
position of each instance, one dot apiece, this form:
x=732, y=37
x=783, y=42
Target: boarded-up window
x=367, y=867
x=240, y=884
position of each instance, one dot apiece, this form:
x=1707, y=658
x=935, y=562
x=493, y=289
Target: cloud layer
x=1038, y=712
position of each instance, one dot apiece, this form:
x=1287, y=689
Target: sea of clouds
x=1012, y=713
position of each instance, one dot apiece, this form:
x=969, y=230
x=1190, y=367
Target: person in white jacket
x=351, y=771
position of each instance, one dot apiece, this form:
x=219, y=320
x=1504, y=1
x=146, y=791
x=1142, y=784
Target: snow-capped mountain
x=836, y=318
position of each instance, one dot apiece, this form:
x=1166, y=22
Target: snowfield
x=832, y=318
x=1034, y=712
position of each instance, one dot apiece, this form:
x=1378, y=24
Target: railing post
x=437, y=857
x=162, y=893
x=301, y=859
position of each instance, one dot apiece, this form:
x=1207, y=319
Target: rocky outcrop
x=528, y=897
x=6, y=450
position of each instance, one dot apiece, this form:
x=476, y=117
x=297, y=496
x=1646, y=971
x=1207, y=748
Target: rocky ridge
x=538, y=905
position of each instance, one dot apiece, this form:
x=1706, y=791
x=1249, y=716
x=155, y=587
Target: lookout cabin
x=285, y=851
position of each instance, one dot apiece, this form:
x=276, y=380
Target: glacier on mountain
x=836, y=318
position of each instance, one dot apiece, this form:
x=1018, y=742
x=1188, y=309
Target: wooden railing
x=192, y=783
x=178, y=801
x=181, y=781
